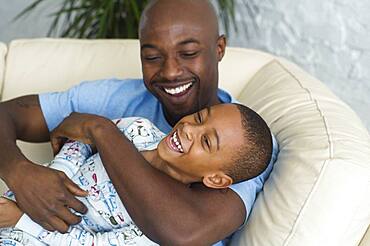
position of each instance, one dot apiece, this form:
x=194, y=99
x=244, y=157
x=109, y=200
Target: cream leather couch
x=319, y=190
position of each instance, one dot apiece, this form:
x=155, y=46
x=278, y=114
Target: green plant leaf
x=111, y=18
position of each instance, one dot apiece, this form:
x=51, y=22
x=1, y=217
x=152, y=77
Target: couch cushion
x=2, y=65
x=43, y=65
x=318, y=192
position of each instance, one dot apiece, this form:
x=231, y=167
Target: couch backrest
x=319, y=190
x=2, y=65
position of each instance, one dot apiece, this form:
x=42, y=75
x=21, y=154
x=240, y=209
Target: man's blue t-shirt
x=115, y=98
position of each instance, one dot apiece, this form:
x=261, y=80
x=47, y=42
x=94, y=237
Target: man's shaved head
x=158, y=12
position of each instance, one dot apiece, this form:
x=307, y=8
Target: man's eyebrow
x=188, y=41
x=148, y=46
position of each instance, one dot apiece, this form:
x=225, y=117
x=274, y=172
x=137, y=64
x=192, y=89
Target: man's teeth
x=178, y=145
x=178, y=89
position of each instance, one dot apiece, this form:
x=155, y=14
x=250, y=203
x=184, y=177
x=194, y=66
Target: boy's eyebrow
x=217, y=138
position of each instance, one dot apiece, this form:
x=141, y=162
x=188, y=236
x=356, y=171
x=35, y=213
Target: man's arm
x=167, y=211
x=41, y=192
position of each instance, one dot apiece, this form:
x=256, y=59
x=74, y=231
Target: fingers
x=47, y=226
x=73, y=202
x=3, y=200
x=73, y=188
x=56, y=143
x=65, y=215
x=76, y=205
x=55, y=224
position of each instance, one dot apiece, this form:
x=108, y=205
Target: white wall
x=330, y=39
x=35, y=25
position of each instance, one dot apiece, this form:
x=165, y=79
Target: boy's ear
x=217, y=180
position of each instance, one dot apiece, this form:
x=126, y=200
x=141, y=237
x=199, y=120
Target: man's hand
x=9, y=213
x=47, y=195
x=76, y=126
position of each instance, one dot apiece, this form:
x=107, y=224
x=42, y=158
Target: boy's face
x=201, y=145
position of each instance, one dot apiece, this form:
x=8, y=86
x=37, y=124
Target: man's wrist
x=98, y=127
x=10, y=173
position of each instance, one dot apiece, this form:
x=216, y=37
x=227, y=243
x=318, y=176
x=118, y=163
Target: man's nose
x=171, y=69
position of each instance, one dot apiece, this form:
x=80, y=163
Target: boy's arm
x=41, y=192
x=166, y=211
x=9, y=213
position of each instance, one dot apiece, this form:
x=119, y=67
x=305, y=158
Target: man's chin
x=177, y=112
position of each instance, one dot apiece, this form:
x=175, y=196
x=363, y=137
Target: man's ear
x=221, y=46
x=217, y=180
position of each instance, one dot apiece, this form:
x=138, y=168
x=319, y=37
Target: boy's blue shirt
x=113, y=99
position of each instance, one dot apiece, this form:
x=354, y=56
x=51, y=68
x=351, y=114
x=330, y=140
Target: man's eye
x=151, y=58
x=189, y=54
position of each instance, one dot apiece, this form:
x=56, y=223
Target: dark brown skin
x=185, y=44
x=41, y=192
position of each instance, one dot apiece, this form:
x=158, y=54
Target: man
x=180, y=51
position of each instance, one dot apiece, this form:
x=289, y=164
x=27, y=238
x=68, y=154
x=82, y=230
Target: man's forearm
x=9, y=152
x=167, y=211
x=20, y=118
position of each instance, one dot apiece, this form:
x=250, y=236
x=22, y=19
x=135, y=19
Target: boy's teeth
x=178, y=89
x=176, y=141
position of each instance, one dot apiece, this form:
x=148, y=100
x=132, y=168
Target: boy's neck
x=150, y=156
x=155, y=161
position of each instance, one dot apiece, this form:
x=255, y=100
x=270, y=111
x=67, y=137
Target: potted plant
x=109, y=18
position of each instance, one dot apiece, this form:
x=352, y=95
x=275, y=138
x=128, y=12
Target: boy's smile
x=174, y=142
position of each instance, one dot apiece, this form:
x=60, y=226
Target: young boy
x=205, y=147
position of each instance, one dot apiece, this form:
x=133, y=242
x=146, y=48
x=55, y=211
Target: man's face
x=202, y=143
x=180, y=65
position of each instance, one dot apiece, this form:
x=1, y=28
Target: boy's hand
x=9, y=213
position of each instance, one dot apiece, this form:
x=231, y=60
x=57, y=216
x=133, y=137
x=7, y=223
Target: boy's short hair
x=254, y=155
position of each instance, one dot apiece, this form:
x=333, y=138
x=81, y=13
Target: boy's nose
x=191, y=130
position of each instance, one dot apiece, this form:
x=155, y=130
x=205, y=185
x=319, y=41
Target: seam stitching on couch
x=325, y=164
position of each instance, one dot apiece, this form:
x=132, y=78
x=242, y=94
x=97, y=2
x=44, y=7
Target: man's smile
x=179, y=90
x=177, y=93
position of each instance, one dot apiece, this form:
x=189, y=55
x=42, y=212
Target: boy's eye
x=207, y=142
